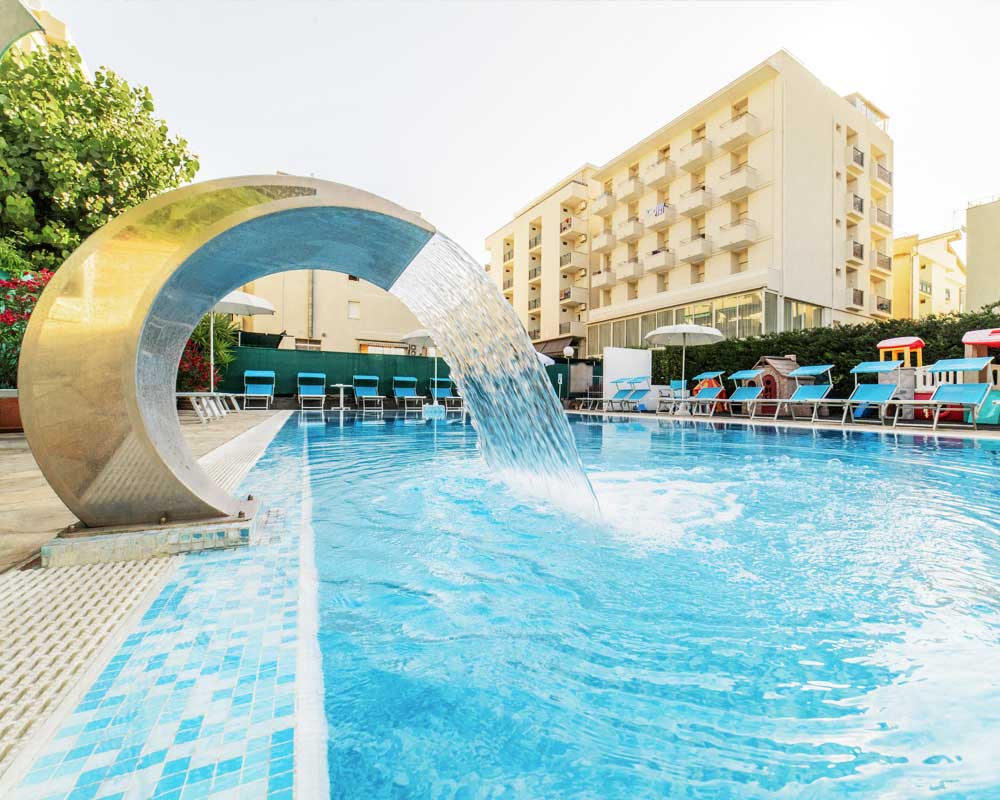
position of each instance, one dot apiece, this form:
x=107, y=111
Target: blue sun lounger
x=404, y=388
x=442, y=391
x=747, y=394
x=366, y=394
x=969, y=397
x=810, y=394
x=258, y=386
x=637, y=394
x=707, y=398
x=870, y=396
x=310, y=388
x=618, y=398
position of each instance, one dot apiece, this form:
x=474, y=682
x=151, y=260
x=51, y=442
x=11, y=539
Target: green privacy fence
x=338, y=367
x=341, y=367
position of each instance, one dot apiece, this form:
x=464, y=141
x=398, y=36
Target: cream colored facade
x=982, y=254
x=322, y=310
x=768, y=206
x=928, y=276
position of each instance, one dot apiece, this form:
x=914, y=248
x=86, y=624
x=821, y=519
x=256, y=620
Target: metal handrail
x=534, y=303
x=736, y=223
x=534, y=241
x=883, y=173
x=857, y=156
x=694, y=191
x=696, y=238
x=742, y=168
x=534, y=272
x=858, y=203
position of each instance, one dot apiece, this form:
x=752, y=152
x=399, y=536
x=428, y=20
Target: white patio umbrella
x=684, y=336
x=422, y=338
x=242, y=304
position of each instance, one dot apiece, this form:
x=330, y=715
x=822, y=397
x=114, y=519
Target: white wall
x=623, y=362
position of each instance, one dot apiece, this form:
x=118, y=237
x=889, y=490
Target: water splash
x=523, y=432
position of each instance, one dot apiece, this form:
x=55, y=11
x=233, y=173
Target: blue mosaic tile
x=199, y=699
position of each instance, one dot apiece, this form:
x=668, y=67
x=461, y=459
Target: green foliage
x=844, y=347
x=74, y=152
x=225, y=341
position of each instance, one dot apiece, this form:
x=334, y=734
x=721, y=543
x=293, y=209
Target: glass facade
x=737, y=316
x=799, y=316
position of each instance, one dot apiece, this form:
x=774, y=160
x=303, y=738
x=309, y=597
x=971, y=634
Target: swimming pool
x=765, y=612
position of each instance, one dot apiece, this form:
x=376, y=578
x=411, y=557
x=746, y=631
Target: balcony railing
x=738, y=130
x=883, y=261
x=508, y=283
x=508, y=255
x=882, y=217
x=738, y=182
x=926, y=287
x=855, y=249
x=534, y=303
x=857, y=203
x=534, y=272
x=534, y=334
x=604, y=204
x=882, y=305
x=534, y=241
x=567, y=258
x=855, y=297
x=882, y=173
x=855, y=157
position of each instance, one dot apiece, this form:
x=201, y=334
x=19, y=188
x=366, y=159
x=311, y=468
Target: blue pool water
x=763, y=613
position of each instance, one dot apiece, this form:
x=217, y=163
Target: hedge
x=844, y=346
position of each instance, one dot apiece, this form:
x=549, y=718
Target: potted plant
x=19, y=293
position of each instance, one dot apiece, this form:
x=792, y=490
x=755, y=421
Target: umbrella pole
x=434, y=391
x=684, y=351
x=211, y=350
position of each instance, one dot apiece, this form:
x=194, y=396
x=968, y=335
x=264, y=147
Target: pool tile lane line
x=199, y=700
x=312, y=776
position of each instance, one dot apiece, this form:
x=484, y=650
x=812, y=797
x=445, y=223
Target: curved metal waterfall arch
x=99, y=360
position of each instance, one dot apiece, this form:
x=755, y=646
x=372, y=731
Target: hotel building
x=928, y=276
x=982, y=254
x=766, y=207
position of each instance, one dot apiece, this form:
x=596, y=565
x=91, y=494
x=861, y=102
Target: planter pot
x=10, y=415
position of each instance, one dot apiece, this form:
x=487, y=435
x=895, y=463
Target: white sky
x=466, y=111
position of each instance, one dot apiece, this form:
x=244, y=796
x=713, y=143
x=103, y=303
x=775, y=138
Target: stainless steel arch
x=100, y=355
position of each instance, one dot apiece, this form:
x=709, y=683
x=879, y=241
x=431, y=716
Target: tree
x=76, y=152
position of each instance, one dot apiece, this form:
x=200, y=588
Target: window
x=698, y=133
x=633, y=170
x=741, y=261
x=663, y=282
x=664, y=318
x=947, y=295
x=800, y=316
x=698, y=273
x=665, y=152
x=353, y=309
x=356, y=278
x=308, y=344
x=633, y=291
x=618, y=333
x=741, y=107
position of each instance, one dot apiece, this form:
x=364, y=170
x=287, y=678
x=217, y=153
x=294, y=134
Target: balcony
x=880, y=306
x=695, y=155
x=854, y=298
x=534, y=302
x=603, y=242
x=604, y=205
x=855, y=207
x=737, y=235
x=535, y=275
x=573, y=296
x=855, y=159
x=572, y=228
x=603, y=280
x=881, y=262
x=508, y=255
x=854, y=252
x=738, y=183
x=738, y=131
x=629, y=230
x=535, y=243
x=659, y=175
x=695, y=202
x=697, y=248
x=926, y=287
x=630, y=270
x=659, y=261
x=573, y=261
x=572, y=194
x=577, y=329
x=881, y=219
x=508, y=284
x=628, y=190
x=660, y=217
x=881, y=177
x=534, y=334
